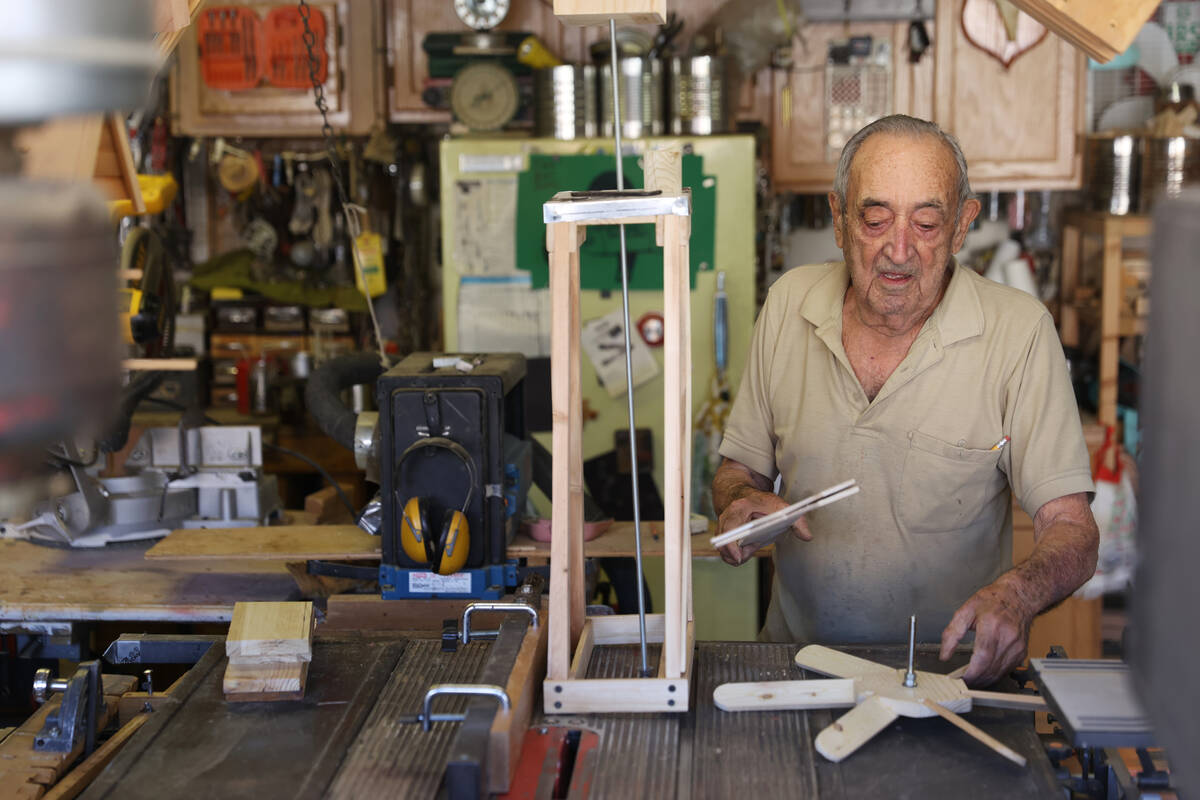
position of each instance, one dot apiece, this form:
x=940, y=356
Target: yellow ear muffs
x=445, y=552
x=455, y=544
x=414, y=530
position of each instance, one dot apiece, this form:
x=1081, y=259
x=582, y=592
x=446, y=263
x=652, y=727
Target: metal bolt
x=44, y=684
x=910, y=677
x=148, y=682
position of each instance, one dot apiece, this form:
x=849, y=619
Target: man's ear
x=836, y=208
x=970, y=211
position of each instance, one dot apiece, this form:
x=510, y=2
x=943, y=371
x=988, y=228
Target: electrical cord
x=280, y=449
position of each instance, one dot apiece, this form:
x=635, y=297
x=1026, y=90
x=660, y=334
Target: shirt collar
x=958, y=316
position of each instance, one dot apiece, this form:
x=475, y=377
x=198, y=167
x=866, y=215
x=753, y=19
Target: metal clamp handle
x=479, y=690
x=508, y=608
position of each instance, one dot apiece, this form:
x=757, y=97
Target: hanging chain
x=349, y=211
x=314, y=66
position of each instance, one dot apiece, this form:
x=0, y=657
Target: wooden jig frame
x=572, y=636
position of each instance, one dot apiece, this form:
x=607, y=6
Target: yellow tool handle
x=533, y=54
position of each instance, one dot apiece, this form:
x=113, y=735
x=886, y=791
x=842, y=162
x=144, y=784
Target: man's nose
x=899, y=242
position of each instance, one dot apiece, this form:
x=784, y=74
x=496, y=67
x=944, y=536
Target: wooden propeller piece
x=878, y=696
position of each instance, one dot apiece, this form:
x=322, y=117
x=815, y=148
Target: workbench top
x=344, y=740
x=115, y=583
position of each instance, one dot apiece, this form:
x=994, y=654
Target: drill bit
x=910, y=677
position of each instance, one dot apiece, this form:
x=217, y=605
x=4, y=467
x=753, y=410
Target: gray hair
x=900, y=125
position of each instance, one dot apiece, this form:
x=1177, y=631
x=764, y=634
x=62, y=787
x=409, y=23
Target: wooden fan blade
x=958, y=673
x=855, y=728
x=835, y=663
x=983, y=736
x=784, y=695
x=1016, y=702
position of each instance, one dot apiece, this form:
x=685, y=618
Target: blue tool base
x=486, y=583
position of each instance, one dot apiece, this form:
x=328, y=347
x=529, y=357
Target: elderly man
x=940, y=392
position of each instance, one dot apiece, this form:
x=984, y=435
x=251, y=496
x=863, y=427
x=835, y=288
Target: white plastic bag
x=1115, y=509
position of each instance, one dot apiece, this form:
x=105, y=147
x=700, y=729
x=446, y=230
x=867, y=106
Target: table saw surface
x=343, y=739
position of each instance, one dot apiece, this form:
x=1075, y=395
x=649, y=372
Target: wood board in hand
x=764, y=530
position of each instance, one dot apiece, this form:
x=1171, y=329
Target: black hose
x=325, y=386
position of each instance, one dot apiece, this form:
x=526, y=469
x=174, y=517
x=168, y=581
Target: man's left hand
x=1001, y=623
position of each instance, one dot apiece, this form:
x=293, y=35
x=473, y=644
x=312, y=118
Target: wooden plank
x=79, y=778
x=115, y=142
x=118, y=584
x=785, y=695
x=583, y=651
x=1110, y=320
x=1068, y=281
x=566, y=572
x=599, y=12
x=837, y=664
x=509, y=727
x=1009, y=700
x=663, y=168
x=1101, y=28
x=61, y=149
x=280, y=630
x=243, y=682
x=276, y=543
x=327, y=507
x=676, y=377
x=854, y=728
x=615, y=695
x=360, y=612
x=980, y=735
x=623, y=628
x=159, y=364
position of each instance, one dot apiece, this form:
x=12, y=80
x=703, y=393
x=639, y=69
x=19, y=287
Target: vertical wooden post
x=685, y=298
x=675, y=417
x=1068, y=282
x=566, y=548
x=1110, y=323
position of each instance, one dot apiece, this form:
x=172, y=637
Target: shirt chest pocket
x=945, y=487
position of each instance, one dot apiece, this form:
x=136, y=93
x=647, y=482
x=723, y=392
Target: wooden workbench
x=349, y=543
x=117, y=583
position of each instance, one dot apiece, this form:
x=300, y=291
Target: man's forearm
x=1063, y=558
x=735, y=480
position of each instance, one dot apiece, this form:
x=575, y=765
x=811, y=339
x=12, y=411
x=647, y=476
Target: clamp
x=77, y=713
x=427, y=717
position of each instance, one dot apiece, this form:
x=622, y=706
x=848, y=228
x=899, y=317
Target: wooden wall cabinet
x=1019, y=127
x=352, y=86
x=798, y=157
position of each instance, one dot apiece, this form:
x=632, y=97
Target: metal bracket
x=427, y=717
x=78, y=710
x=147, y=648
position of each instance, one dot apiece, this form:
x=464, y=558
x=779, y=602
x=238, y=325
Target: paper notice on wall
x=485, y=224
x=500, y=314
x=603, y=340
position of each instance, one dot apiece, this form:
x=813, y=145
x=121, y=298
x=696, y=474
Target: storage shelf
x=1108, y=313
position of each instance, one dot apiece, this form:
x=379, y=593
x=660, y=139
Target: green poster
x=600, y=259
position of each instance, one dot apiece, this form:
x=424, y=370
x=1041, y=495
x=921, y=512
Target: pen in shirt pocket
x=1000, y=444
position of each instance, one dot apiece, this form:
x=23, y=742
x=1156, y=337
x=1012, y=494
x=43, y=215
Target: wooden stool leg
x=566, y=548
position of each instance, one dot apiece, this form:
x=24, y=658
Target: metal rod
x=637, y=511
x=910, y=677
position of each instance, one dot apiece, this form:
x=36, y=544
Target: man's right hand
x=750, y=505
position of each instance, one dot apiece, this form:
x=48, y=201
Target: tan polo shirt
x=933, y=520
